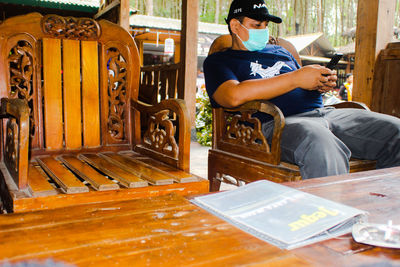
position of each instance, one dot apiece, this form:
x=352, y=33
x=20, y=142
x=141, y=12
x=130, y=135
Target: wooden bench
x=71, y=118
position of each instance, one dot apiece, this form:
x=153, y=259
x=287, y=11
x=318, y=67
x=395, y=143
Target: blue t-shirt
x=245, y=65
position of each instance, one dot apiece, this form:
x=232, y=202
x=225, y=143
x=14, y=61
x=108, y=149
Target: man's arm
x=233, y=93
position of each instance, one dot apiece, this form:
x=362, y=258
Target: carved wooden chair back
x=76, y=77
x=79, y=81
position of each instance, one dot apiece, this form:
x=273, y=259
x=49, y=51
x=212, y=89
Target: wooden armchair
x=240, y=152
x=71, y=118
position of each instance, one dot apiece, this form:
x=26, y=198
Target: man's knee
x=306, y=132
x=310, y=142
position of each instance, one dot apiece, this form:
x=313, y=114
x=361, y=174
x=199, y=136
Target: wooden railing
x=158, y=82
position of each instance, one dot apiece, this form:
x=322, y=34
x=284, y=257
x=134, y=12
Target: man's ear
x=234, y=24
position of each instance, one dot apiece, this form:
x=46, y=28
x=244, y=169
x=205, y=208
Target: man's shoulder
x=274, y=49
x=225, y=56
x=219, y=54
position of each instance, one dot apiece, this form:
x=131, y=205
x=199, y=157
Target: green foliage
x=333, y=17
x=203, y=118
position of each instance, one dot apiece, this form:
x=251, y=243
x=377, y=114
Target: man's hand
x=316, y=77
x=330, y=84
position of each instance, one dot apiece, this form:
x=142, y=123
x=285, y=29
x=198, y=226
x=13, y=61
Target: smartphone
x=334, y=61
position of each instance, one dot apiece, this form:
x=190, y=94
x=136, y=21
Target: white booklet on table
x=280, y=215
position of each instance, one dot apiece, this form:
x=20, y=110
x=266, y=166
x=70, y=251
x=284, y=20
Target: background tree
x=332, y=17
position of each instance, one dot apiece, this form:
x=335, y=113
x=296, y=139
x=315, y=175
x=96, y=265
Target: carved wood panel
x=243, y=129
x=160, y=135
x=117, y=94
x=70, y=28
x=21, y=67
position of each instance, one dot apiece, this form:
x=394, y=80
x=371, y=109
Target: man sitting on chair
x=320, y=140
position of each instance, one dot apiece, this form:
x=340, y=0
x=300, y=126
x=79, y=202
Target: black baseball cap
x=254, y=9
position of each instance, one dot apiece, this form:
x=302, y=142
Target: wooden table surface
x=170, y=231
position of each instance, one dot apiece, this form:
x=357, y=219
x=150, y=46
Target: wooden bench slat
x=90, y=94
x=142, y=170
x=126, y=178
x=38, y=183
x=72, y=94
x=181, y=176
x=52, y=90
x=85, y=171
x=63, y=177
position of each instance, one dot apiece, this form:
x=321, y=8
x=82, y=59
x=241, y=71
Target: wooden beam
x=188, y=54
x=106, y=9
x=124, y=14
x=375, y=19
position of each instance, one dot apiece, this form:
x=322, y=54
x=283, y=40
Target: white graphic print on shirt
x=268, y=72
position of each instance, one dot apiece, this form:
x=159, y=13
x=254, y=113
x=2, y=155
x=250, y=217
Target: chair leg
x=213, y=176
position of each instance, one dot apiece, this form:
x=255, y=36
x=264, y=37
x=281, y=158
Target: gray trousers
x=322, y=141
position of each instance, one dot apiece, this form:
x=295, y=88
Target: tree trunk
x=149, y=7
x=217, y=10
x=343, y=18
x=321, y=16
x=305, y=18
x=279, y=11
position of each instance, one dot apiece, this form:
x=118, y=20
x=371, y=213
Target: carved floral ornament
x=245, y=130
x=20, y=60
x=160, y=134
x=71, y=28
x=117, y=93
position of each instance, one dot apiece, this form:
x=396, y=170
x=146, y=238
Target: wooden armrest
x=17, y=139
x=157, y=140
x=17, y=108
x=270, y=154
x=350, y=104
x=262, y=106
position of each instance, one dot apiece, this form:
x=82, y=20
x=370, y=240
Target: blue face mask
x=258, y=38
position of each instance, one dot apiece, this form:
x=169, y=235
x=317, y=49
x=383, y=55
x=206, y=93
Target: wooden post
x=375, y=19
x=188, y=54
x=124, y=14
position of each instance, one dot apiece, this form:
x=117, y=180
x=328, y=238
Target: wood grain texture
x=141, y=169
x=86, y=172
x=170, y=231
x=62, y=176
x=181, y=176
x=72, y=94
x=24, y=203
x=90, y=94
x=374, y=32
x=387, y=81
x=53, y=117
x=124, y=177
x=188, y=51
x=38, y=183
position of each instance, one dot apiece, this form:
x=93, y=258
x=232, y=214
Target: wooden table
x=170, y=231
